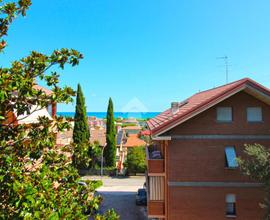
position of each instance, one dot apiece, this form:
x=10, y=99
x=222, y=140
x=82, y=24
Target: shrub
x=136, y=161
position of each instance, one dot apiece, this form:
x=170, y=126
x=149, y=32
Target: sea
x=137, y=115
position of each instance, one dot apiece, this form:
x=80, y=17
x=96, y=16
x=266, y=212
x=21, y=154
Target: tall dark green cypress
x=110, y=149
x=81, y=132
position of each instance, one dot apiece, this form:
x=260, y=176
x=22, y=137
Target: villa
x=35, y=111
x=127, y=138
x=192, y=168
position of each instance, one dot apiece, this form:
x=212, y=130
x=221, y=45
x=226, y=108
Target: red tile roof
x=197, y=103
x=145, y=133
x=47, y=91
x=132, y=128
x=134, y=141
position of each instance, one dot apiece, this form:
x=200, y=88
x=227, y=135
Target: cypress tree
x=81, y=132
x=110, y=149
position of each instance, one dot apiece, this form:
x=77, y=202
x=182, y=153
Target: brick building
x=192, y=172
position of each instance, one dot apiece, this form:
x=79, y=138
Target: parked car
x=141, y=197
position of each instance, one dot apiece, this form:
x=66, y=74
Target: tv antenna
x=225, y=58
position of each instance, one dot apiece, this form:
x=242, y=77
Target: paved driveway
x=119, y=193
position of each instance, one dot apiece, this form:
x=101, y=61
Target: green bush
x=136, y=161
x=128, y=124
x=107, y=171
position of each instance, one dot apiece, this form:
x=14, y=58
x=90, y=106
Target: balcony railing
x=155, y=160
x=156, y=209
x=155, y=181
x=155, y=197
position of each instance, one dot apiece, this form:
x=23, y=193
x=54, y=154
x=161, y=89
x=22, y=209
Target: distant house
x=35, y=111
x=133, y=140
x=132, y=129
x=130, y=121
x=64, y=138
x=98, y=135
x=192, y=172
x=94, y=122
x=145, y=133
x=124, y=142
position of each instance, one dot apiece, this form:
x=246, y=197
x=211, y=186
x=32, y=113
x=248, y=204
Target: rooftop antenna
x=225, y=58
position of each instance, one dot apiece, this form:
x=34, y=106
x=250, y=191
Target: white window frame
x=230, y=200
x=257, y=118
x=222, y=110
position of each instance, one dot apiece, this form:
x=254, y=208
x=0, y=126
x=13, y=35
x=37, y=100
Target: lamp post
x=101, y=168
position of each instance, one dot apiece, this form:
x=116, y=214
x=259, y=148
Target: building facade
x=193, y=173
x=35, y=111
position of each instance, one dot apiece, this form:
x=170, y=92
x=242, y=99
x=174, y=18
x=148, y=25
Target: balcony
x=155, y=197
x=156, y=209
x=155, y=160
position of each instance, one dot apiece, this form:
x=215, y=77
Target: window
x=230, y=157
x=49, y=108
x=224, y=114
x=230, y=205
x=254, y=114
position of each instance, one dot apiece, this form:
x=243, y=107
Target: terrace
x=155, y=160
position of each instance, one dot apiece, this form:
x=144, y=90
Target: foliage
x=96, y=170
x=146, y=138
x=118, y=119
x=37, y=179
x=81, y=158
x=109, y=215
x=135, y=162
x=128, y=124
x=81, y=132
x=110, y=149
x=256, y=164
x=95, y=152
x=8, y=12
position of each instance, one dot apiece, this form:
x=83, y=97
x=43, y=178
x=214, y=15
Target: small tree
x=110, y=149
x=257, y=166
x=136, y=160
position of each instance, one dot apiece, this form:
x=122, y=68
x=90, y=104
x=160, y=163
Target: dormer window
x=224, y=114
x=254, y=114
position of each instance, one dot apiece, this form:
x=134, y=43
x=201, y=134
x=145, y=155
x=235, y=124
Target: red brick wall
x=209, y=204
x=203, y=160
x=205, y=123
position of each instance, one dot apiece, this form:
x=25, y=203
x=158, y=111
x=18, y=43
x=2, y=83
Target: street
x=119, y=193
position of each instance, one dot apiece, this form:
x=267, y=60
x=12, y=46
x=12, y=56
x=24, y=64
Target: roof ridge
x=165, y=117
x=234, y=82
x=185, y=101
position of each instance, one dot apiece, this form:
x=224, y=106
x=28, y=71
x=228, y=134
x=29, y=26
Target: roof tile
x=195, y=102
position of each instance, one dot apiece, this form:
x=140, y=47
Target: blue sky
x=156, y=51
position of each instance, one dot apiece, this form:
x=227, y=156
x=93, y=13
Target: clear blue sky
x=155, y=50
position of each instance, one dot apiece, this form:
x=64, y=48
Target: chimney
x=174, y=107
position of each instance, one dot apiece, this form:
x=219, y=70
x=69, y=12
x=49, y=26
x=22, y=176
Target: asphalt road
x=119, y=193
